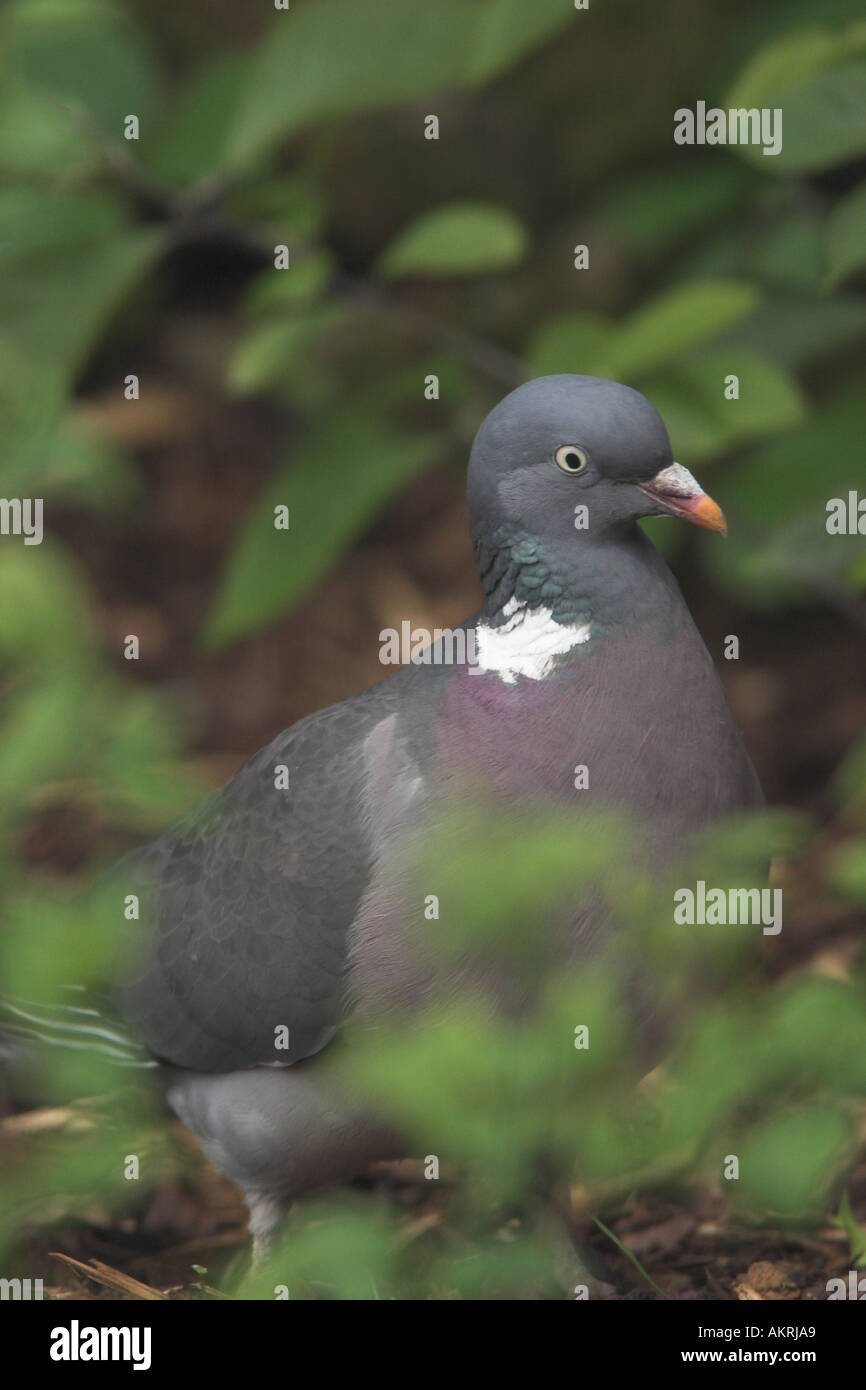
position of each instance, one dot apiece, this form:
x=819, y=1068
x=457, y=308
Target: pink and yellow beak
x=679, y=494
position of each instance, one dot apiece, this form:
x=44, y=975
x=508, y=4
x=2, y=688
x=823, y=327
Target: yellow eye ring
x=571, y=458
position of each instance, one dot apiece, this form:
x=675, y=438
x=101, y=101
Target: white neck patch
x=527, y=644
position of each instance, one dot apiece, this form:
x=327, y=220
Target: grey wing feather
x=245, y=907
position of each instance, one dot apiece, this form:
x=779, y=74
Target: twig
x=113, y=1279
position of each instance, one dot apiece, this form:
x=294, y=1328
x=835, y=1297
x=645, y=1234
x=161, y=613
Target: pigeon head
x=564, y=442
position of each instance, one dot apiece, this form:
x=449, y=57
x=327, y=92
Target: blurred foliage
x=754, y=261
x=703, y=263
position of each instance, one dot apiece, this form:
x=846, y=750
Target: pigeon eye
x=571, y=458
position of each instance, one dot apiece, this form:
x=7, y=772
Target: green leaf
x=338, y=479
x=817, y=77
x=305, y=280
x=571, y=342
x=770, y=399
x=37, y=136
x=456, y=239
x=88, y=283
x=796, y=331
x=32, y=400
x=337, y=56
x=765, y=24
x=51, y=312
x=824, y=123
x=343, y=1245
x=786, y=64
x=677, y=320
x=192, y=138
x=36, y=219
x=282, y=351
x=490, y=874
x=71, y=462
x=845, y=243
x=793, y=562
x=856, y=572
x=39, y=734
x=651, y=212
x=87, y=53
x=791, y=256
x=856, y=1233
x=265, y=354
x=510, y=28
x=796, y=475
x=135, y=758
x=42, y=622
x=848, y=870
x=288, y=207
x=779, y=547
x=788, y=1163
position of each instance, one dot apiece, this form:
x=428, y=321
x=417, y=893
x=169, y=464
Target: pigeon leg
x=266, y=1214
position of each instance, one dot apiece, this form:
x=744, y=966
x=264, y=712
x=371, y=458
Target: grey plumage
x=277, y=908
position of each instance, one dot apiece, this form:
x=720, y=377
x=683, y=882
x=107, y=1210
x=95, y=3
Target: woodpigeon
x=275, y=915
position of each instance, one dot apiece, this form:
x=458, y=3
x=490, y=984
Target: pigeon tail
x=81, y=1027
